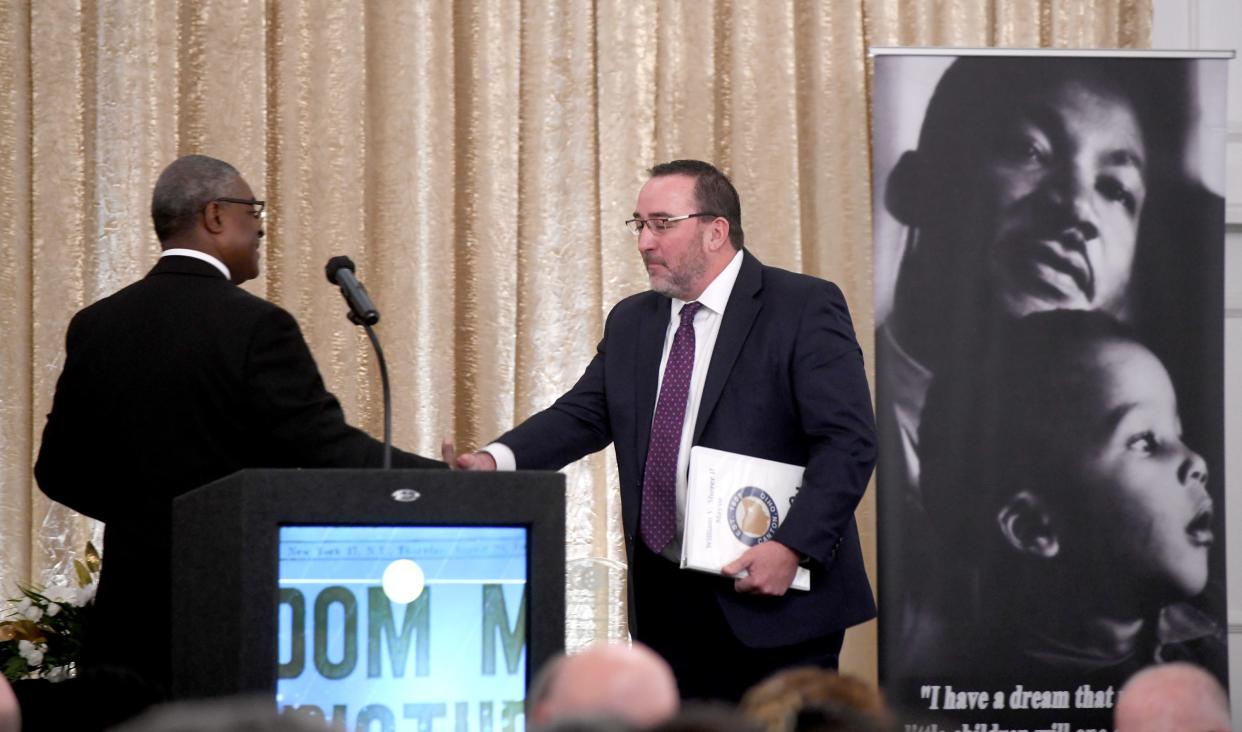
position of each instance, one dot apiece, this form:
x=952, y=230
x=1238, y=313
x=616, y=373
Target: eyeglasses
x=661, y=224
x=256, y=207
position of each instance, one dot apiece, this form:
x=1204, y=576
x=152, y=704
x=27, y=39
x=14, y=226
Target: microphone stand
x=383, y=368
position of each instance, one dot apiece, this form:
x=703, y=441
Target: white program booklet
x=732, y=503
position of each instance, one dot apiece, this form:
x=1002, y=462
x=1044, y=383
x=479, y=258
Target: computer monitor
x=279, y=589
x=391, y=623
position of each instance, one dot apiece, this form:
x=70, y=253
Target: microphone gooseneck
x=340, y=272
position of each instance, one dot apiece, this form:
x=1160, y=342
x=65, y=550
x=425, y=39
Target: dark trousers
x=676, y=613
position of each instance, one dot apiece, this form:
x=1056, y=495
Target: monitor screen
x=413, y=627
x=289, y=566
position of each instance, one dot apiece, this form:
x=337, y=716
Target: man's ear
x=212, y=219
x=906, y=191
x=717, y=234
x=1027, y=525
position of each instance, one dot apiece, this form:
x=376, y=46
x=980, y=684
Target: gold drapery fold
x=64, y=275
x=16, y=301
x=1009, y=23
x=475, y=159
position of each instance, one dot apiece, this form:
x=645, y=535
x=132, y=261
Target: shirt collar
x=224, y=270
x=716, y=295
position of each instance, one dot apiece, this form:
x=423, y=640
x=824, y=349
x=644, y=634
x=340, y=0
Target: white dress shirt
x=706, y=327
x=198, y=255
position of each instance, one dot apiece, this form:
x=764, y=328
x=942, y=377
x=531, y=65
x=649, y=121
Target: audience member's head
x=10, y=715
x=829, y=700
x=221, y=715
x=708, y=717
x=588, y=723
x=830, y=717
x=631, y=683
x=1172, y=697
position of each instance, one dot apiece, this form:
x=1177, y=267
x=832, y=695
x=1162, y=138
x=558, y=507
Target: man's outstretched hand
x=466, y=460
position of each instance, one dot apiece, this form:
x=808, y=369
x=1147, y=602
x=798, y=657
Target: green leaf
x=15, y=669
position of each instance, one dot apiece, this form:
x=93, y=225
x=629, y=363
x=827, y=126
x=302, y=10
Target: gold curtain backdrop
x=476, y=159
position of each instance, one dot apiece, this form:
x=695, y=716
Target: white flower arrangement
x=41, y=631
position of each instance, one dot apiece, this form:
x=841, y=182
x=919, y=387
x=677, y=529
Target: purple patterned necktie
x=658, y=522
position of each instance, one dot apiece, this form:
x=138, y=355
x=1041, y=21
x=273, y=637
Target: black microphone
x=340, y=271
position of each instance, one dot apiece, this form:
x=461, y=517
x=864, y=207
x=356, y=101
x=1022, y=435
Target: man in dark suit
x=726, y=353
x=175, y=381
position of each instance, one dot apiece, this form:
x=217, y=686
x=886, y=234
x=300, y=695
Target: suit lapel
x=744, y=305
x=648, y=349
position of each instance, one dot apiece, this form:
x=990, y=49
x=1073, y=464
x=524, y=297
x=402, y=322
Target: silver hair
x=184, y=188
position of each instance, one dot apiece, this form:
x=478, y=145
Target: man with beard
x=726, y=353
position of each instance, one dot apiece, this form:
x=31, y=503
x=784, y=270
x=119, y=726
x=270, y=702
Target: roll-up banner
x=1049, y=238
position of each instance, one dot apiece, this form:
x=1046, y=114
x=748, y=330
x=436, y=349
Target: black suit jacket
x=785, y=382
x=175, y=381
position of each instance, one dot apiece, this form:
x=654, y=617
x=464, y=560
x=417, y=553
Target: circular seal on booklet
x=753, y=517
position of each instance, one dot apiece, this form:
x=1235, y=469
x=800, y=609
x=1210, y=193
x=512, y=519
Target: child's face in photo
x=1142, y=503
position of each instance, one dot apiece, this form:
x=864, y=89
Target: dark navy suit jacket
x=785, y=382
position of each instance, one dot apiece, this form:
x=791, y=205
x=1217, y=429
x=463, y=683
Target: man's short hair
x=708, y=716
x=976, y=94
x=631, y=683
x=830, y=698
x=713, y=193
x=184, y=188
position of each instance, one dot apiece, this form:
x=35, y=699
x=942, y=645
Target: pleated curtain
x=476, y=159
